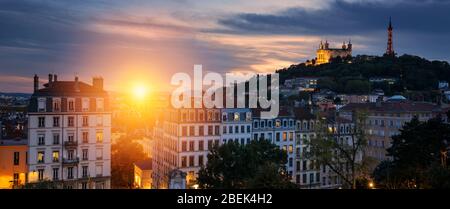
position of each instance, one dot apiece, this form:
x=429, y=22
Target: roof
x=13, y=142
x=392, y=106
x=144, y=164
x=68, y=88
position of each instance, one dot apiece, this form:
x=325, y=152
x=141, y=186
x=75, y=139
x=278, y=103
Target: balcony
x=71, y=162
x=70, y=144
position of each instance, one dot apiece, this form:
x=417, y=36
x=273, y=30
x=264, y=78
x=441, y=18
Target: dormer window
x=56, y=104
x=41, y=104
x=85, y=104
x=71, y=104
x=236, y=116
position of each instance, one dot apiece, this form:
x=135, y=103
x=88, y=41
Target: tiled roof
x=68, y=88
x=401, y=106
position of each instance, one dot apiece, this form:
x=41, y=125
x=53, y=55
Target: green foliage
x=45, y=184
x=412, y=72
x=342, y=157
x=259, y=164
x=124, y=153
x=417, y=152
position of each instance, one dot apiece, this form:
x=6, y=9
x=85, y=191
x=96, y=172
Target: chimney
x=50, y=78
x=77, y=87
x=97, y=83
x=55, y=78
x=36, y=82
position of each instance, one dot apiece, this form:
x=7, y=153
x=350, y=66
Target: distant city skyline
x=148, y=41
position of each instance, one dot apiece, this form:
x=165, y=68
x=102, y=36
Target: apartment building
x=69, y=134
x=236, y=125
x=280, y=131
x=182, y=140
x=385, y=119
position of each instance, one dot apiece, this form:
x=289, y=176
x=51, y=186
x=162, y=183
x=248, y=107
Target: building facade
x=182, y=140
x=69, y=134
x=13, y=163
x=385, y=119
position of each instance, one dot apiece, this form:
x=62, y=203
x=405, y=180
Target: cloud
x=345, y=18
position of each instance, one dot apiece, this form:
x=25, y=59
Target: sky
x=148, y=41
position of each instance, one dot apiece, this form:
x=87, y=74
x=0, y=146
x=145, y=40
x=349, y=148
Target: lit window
x=99, y=137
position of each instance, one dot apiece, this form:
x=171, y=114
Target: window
x=99, y=137
x=311, y=177
x=184, y=131
x=71, y=105
x=224, y=129
x=100, y=104
x=40, y=174
x=70, y=121
x=217, y=130
x=84, y=172
x=291, y=149
x=277, y=123
x=230, y=129
x=70, y=173
x=210, y=144
x=200, y=145
x=85, y=154
x=40, y=157
x=191, y=161
x=183, y=161
x=55, y=173
x=41, y=122
x=191, y=146
x=70, y=154
x=200, y=116
x=284, y=136
x=317, y=177
x=85, y=137
x=55, y=121
x=85, y=121
x=201, y=131
x=242, y=129
x=55, y=156
x=304, y=165
x=291, y=162
x=191, y=130
x=236, y=129
x=84, y=185
x=200, y=160
x=183, y=146
x=16, y=158
x=277, y=136
x=41, y=105
x=304, y=178
x=248, y=129
x=70, y=137
x=85, y=104
x=291, y=136
x=210, y=130
x=41, y=139
x=99, y=153
x=56, y=104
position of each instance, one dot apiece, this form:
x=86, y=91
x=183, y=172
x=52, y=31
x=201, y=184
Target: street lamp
x=371, y=185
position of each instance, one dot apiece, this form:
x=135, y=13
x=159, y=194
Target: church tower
x=390, y=48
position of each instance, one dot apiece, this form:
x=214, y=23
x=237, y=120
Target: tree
x=259, y=164
x=343, y=158
x=419, y=156
x=124, y=153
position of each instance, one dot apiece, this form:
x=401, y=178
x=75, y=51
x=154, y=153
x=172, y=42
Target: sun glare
x=140, y=91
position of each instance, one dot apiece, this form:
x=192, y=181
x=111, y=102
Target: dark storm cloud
x=346, y=18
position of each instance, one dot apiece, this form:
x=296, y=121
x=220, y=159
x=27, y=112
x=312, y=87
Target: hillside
x=411, y=73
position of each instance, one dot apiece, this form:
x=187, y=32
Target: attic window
x=41, y=105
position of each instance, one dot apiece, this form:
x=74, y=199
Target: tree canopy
x=419, y=156
x=259, y=164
